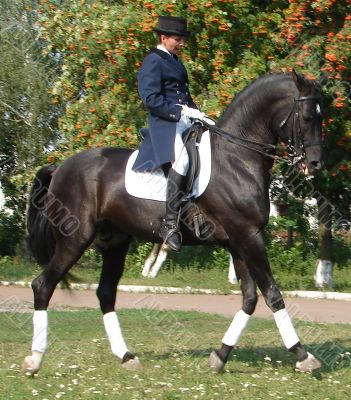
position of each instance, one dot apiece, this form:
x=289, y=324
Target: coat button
x=178, y=92
x=180, y=101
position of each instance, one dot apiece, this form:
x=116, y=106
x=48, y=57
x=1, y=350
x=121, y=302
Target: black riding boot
x=169, y=231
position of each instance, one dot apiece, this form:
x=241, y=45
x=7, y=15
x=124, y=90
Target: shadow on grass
x=334, y=357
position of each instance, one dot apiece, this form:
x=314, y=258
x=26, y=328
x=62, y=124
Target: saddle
x=191, y=138
x=189, y=210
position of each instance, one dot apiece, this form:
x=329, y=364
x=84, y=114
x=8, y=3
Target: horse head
x=302, y=127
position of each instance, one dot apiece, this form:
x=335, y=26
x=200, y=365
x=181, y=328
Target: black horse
x=84, y=199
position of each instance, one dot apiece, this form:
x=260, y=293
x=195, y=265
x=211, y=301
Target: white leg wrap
x=161, y=258
x=236, y=328
x=40, y=331
x=114, y=333
x=147, y=267
x=232, y=278
x=286, y=329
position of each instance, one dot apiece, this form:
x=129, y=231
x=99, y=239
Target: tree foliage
x=98, y=46
x=235, y=41
x=27, y=118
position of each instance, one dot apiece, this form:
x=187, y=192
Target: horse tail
x=40, y=239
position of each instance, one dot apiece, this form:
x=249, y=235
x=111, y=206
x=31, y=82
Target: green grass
x=174, y=349
x=17, y=270
x=173, y=274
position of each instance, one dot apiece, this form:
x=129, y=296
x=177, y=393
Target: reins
x=242, y=142
x=294, y=148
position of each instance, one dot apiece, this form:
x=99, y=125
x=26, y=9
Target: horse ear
x=323, y=79
x=298, y=80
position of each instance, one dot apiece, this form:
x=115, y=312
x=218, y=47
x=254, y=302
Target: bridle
x=296, y=143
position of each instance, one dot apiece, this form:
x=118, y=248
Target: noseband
x=296, y=143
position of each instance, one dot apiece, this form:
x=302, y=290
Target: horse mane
x=249, y=98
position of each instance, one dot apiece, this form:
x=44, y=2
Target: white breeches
x=181, y=160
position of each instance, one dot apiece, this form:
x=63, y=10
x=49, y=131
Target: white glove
x=208, y=120
x=192, y=113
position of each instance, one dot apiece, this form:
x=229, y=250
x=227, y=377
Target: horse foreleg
x=161, y=258
x=255, y=256
x=219, y=358
x=151, y=259
x=112, y=269
x=31, y=364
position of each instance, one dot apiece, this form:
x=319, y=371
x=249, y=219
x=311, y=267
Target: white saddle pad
x=152, y=185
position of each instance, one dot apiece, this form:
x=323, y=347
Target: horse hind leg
x=232, y=278
x=219, y=358
x=161, y=258
x=67, y=252
x=112, y=269
x=149, y=262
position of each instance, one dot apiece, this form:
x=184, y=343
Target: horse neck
x=246, y=123
x=253, y=117
x=257, y=111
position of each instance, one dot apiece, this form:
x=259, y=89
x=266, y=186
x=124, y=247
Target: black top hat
x=169, y=25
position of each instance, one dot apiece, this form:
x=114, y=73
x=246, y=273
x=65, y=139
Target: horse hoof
x=30, y=366
x=133, y=365
x=216, y=364
x=309, y=364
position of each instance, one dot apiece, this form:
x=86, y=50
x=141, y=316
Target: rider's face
x=173, y=43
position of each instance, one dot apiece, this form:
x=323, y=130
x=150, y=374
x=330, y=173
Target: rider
x=163, y=87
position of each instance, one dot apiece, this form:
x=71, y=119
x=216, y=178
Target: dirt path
x=20, y=300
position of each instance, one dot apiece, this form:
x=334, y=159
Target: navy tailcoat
x=163, y=86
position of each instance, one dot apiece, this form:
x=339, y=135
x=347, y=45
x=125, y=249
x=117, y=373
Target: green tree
x=102, y=44
x=27, y=117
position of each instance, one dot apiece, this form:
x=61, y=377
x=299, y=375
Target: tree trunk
x=324, y=270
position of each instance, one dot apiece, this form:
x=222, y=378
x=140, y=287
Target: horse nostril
x=316, y=165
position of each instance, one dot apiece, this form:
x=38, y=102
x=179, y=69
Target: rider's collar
x=161, y=47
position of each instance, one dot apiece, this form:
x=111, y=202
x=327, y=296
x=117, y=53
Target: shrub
x=11, y=233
